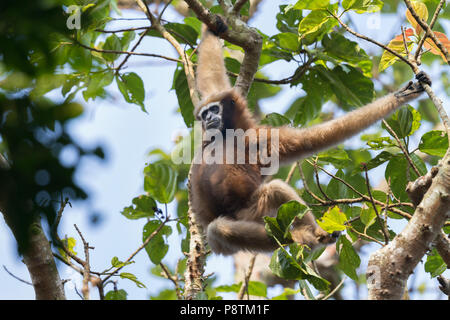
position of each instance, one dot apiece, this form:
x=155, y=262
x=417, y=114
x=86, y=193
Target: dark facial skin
x=212, y=117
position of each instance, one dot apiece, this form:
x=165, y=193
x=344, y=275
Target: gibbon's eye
x=214, y=109
x=204, y=114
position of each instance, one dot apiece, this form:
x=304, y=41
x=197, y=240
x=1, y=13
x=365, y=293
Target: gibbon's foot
x=220, y=26
x=422, y=77
x=414, y=87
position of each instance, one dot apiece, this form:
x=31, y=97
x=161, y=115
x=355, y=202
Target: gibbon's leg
x=297, y=143
x=227, y=236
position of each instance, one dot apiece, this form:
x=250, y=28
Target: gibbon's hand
x=414, y=87
x=220, y=26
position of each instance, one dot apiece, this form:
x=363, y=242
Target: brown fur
x=230, y=200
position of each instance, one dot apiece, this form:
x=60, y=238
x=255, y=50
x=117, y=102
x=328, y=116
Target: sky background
x=127, y=135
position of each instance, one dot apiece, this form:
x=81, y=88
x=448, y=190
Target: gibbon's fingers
x=227, y=236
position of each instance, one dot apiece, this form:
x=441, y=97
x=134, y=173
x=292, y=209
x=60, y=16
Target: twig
x=427, y=29
x=238, y=6
x=356, y=34
x=400, y=145
x=328, y=296
x=142, y=246
x=244, y=287
x=188, y=67
x=173, y=278
x=86, y=266
x=383, y=226
x=433, y=21
x=132, y=50
x=128, y=53
x=16, y=277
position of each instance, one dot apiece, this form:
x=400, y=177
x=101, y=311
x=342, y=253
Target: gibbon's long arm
x=211, y=73
x=298, y=143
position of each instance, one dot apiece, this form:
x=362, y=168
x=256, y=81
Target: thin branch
x=173, y=278
x=142, y=246
x=128, y=53
x=383, y=226
x=400, y=145
x=16, y=277
x=433, y=21
x=132, y=50
x=427, y=29
x=86, y=266
x=238, y=6
x=356, y=34
x=188, y=67
x=328, y=296
x=244, y=287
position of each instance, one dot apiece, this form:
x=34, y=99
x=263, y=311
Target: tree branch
x=239, y=34
x=391, y=265
x=426, y=27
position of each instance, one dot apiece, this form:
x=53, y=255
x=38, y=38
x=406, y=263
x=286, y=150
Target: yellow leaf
x=421, y=9
x=430, y=45
x=397, y=45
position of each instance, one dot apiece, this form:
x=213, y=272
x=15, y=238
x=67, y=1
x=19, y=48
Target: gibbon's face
x=211, y=116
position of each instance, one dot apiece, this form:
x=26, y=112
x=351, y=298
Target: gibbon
x=231, y=199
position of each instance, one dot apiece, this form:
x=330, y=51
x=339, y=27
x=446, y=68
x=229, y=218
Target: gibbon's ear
x=211, y=76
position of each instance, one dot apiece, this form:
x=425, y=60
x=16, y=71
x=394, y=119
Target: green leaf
x=348, y=258
x=69, y=243
x=183, y=33
x=96, y=84
x=126, y=39
x=368, y=216
x=312, y=22
x=337, y=157
x=144, y=207
x=275, y=120
x=286, y=293
x=183, y=96
x=157, y=247
x=116, y=295
x=116, y=263
x=400, y=122
x=344, y=50
x=229, y=288
x=396, y=171
x=335, y=188
x=287, y=212
x=288, y=41
x=132, y=277
x=284, y=265
x=132, y=88
x=273, y=229
x=350, y=86
x=256, y=288
x=434, y=143
x=288, y=19
x=435, y=265
x=67, y=111
x=333, y=220
x=363, y=6
x=310, y=4
x=379, y=160
x=381, y=143
x=112, y=43
x=160, y=182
